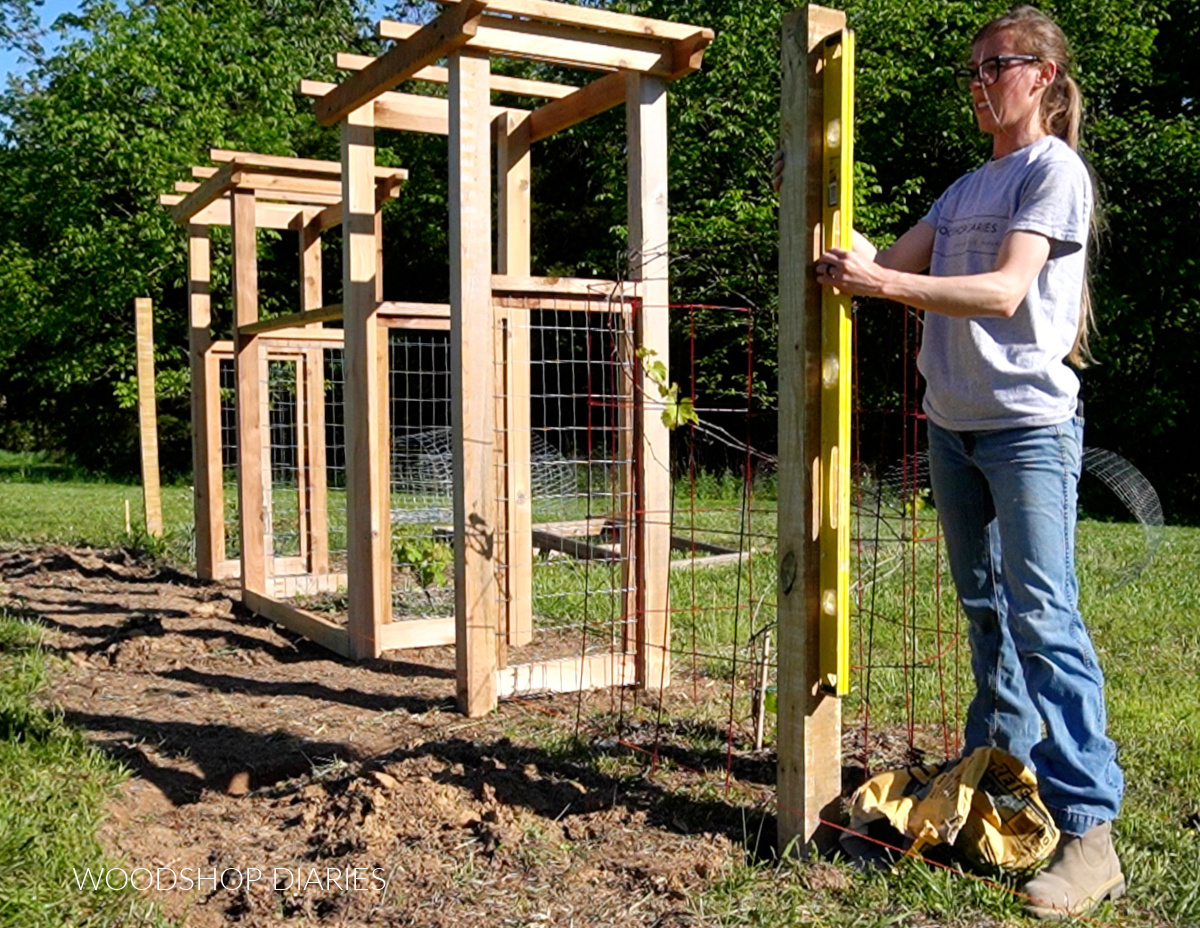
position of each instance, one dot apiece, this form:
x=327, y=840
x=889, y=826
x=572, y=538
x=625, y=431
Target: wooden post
x=646, y=120
x=473, y=375
x=809, y=721
x=207, y=488
x=143, y=311
x=248, y=362
x=368, y=530
x=308, y=230
x=512, y=257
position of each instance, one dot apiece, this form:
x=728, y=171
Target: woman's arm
x=911, y=252
x=997, y=293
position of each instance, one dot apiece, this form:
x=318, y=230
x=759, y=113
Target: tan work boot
x=1083, y=873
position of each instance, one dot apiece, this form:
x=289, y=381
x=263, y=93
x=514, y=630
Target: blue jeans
x=1007, y=501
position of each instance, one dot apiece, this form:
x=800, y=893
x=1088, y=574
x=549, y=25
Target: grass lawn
x=53, y=787
x=1147, y=633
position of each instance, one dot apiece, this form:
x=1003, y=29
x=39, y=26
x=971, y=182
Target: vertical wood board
x=809, y=720
x=646, y=120
x=248, y=361
x=368, y=535
x=207, y=490
x=473, y=388
x=512, y=258
x=143, y=310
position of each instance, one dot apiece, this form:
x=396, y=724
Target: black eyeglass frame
x=998, y=63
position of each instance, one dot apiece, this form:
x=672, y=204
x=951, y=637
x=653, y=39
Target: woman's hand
x=851, y=272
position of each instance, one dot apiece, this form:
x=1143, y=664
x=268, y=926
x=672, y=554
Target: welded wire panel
x=911, y=674
x=227, y=378
x=565, y=434
x=421, y=462
x=285, y=508
x=334, y=388
x=723, y=522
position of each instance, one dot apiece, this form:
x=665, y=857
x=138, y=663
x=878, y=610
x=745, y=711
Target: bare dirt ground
x=356, y=790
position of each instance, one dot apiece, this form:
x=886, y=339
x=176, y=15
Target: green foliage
x=18, y=25
x=137, y=93
x=677, y=410
x=429, y=560
x=134, y=96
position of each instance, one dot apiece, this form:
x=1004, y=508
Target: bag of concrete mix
x=986, y=805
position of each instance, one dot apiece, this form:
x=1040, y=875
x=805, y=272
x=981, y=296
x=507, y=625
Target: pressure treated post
x=473, y=386
x=368, y=530
x=646, y=121
x=207, y=475
x=143, y=311
x=512, y=257
x=248, y=365
x=809, y=720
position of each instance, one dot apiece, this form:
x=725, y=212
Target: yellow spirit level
x=837, y=226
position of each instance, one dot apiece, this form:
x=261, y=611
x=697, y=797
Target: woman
x=1006, y=304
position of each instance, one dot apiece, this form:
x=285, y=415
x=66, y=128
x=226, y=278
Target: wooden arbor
x=489, y=355
x=248, y=192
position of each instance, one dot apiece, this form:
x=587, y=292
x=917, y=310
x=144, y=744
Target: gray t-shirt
x=995, y=373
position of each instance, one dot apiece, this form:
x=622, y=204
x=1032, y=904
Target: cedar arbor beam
x=448, y=32
x=497, y=83
x=303, y=182
x=578, y=37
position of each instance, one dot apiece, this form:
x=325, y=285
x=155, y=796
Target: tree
x=139, y=93
x=132, y=97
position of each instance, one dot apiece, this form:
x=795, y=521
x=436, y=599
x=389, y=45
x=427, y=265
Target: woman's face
x=1011, y=104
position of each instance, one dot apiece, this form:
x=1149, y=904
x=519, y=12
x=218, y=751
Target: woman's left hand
x=851, y=272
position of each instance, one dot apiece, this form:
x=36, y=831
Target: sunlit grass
x=1147, y=634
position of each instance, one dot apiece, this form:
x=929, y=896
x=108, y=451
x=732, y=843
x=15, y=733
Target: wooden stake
x=143, y=311
x=809, y=721
x=646, y=119
x=473, y=388
x=760, y=706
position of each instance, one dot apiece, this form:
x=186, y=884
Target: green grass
x=53, y=787
x=1147, y=633
x=45, y=502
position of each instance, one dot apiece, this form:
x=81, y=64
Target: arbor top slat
x=449, y=31
x=574, y=46
x=298, y=181
x=296, y=167
x=600, y=21
x=540, y=30
x=498, y=83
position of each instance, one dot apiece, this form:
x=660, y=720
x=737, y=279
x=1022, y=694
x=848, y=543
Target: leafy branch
x=677, y=410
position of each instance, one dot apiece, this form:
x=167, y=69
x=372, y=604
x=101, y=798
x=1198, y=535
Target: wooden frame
x=490, y=351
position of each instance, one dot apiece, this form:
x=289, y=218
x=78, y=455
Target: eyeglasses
x=989, y=70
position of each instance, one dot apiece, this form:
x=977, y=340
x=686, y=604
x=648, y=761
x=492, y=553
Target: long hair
x=1061, y=113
